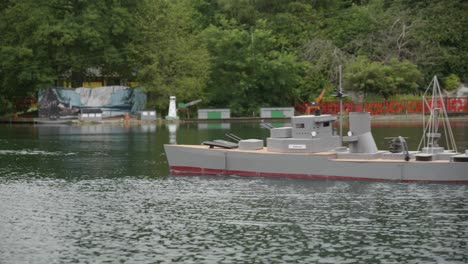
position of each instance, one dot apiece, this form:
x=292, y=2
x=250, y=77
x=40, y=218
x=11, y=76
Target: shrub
x=451, y=82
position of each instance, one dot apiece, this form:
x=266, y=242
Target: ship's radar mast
x=437, y=114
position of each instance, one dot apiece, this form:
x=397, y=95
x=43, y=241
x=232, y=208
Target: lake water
x=94, y=194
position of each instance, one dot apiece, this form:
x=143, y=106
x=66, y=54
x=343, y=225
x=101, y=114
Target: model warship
x=311, y=149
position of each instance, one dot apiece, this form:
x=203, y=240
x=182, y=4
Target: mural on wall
x=112, y=100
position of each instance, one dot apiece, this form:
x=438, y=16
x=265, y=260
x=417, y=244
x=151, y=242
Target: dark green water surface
x=103, y=194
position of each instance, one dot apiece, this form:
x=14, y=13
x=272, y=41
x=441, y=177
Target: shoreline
x=135, y=121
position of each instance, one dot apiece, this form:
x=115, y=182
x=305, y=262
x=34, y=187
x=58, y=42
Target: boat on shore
x=311, y=149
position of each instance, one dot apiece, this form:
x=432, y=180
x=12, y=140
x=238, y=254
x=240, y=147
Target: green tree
x=45, y=42
x=293, y=26
x=248, y=70
x=371, y=77
x=242, y=11
x=451, y=82
x=324, y=59
x=430, y=34
x=237, y=53
x=173, y=60
x=348, y=24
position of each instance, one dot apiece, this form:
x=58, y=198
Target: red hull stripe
x=184, y=170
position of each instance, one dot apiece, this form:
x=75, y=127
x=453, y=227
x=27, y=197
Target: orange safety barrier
x=348, y=107
x=358, y=107
x=374, y=108
x=453, y=105
x=438, y=103
x=333, y=107
x=456, y=105
x=394, y=107
x=414, y=106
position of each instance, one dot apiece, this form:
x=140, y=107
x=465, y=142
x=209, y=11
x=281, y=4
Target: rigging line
x=447, y=127
x=422, y=142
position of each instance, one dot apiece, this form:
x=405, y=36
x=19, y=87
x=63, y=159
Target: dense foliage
x=241, y=54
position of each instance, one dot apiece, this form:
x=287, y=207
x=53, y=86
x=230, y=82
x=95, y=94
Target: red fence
x=453, y=105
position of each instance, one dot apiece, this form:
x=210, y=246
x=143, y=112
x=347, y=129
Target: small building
x=149, y=115
x=90, y=114
x=276, y=112
x=214, y=113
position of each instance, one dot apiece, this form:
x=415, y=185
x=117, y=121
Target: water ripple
x=34, y=152
x=102, y=194
x=231, y=219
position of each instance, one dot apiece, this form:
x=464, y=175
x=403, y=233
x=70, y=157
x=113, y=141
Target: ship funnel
x=359, y=137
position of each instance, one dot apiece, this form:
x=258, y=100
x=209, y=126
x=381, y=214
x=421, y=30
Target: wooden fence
x=452, y=104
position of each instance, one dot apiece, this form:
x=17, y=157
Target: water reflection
x=277, y=124
x=172, y=128
x=82, y=151
x=66, y=130
x=214, y=125
x=148, y=128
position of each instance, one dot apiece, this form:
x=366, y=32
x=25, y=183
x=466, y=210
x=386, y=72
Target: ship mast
x=340, y=95
x=438, y=113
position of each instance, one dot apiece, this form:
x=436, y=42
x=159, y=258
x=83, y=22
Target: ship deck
x=264, y=151
x=325, y=153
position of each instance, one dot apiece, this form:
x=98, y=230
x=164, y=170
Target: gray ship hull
x=202, y=160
